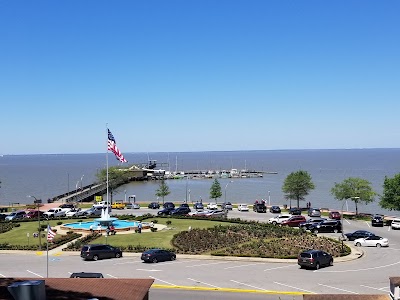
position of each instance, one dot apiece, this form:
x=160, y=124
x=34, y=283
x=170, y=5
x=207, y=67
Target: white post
x=269, y=198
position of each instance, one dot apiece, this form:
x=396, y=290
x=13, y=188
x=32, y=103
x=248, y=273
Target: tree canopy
x=355, y=189
x=215, y=190
x=297, y=185
x=391, y=193
x=163, y=190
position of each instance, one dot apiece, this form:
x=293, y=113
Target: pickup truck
x=54, y=213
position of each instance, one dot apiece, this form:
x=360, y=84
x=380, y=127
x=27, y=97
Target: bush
x=168, y=222
x=59, y=223
x=155, y=221
x=154, y=229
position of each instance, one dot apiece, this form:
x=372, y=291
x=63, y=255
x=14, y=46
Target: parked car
x=372, y=241
x=295, y=211
x=279, y=219
x=154, y=205
x=93, y=212
x=199, y=213
x=335, y=215
x=243, y=207
x=75, y=212
x=3, y=217
x=306, y=225
x=215, y=213
x=395, y=224
x=118, y=205
x=358, y=234
x=198, y=206
x=101, y=204
x=169, y=205
x=86, y=275
x=33, y=214
x=275, y=209
x=184, y=205
x=326, y=226
x=100, y=251
x=314, y=259
x=15, y=215
x=165, y=211
x=182, y=210
x=132, y=206
x=293, y=221
x=157, y=255
x=259, y=207
x=227, y=206
x=377, y=220
x=67, y=206
x=211, y=206
x=314, y=212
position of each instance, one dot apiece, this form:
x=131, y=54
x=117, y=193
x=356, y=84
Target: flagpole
x=107, y=169
x=47, y=250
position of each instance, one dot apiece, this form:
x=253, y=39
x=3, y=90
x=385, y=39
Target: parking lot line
x=204, y=283
x=252, y=286
x=163, y=281
x=209, y=264
x=111, y=276
x=280, y=268
x=378, y=289
x=35, y=274
x=292, y=287
x=335, y=288
x=249, y=265
x=2, y=275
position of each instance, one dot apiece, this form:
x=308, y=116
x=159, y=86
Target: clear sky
x=198, y=75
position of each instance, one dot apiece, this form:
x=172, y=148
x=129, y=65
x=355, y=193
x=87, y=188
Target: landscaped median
x=184, y=235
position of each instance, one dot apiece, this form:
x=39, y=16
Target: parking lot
x=366, y=275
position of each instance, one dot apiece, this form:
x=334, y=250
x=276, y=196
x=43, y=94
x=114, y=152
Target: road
x=267, y=280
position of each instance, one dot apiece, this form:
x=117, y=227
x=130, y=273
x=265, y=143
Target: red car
x=334, y=215
x=294, y=221
x=33, y=214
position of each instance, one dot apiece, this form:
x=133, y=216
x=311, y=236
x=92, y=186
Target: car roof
x=86, y=275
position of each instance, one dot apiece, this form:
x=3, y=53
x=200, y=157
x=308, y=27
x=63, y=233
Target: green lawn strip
x=19, y=235
x=158, y=239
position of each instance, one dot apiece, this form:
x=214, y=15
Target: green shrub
x=155, y=221
x=154, y=229
x=59, y=223
x=168, y=222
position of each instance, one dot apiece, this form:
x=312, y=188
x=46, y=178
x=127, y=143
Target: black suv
x=314, y=259
x=275, y=209
x=198, y=206
x=154, y=205
x=306, y=225
x=100, y=251
x=166, y=211
x=169, y=205
x=295, y=211
x=358, y=234
x=377, y=220
x=259, y=207
x=326, y=226
x=180, y=211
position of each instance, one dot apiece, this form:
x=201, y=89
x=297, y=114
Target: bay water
x=48, y=175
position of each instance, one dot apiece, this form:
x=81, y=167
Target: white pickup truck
x=54, y=213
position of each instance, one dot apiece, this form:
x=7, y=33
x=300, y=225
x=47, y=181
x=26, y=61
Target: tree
x=297, y=185
x=163, y=190
x=391, y=193
x=116, y=177
x=215, y=190
x=355, y=189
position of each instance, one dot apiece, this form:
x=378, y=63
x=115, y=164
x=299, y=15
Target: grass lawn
x=19, y=235
x=159, y=239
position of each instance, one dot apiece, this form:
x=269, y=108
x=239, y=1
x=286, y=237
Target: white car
x=372, y=241
x=75, y=212
x=279, y=219
x=395, y=224
x=243, y=207
x=211, y=206
x=54, y=213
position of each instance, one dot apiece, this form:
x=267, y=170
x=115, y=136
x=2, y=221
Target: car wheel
x=335, y=231
x=317, y=266
x=173, y=257
x=95, y=257
x=117, y=255
x=315, y=231
x=155, y=260
x=274, y=223
x=378, y=245
x=301, y=267
x=358, y=244
x=331, y=262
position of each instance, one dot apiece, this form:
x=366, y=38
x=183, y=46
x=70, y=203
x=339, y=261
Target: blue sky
x=198, y=75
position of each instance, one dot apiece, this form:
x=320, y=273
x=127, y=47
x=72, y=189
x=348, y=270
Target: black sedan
x=306, y=225
x=180, y=211
x=358, y=234
x=165, y=211
x=275, y=209
x=156, y=255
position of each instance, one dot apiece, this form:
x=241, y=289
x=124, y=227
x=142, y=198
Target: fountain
x=105, y=219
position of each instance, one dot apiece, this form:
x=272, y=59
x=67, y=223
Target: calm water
x=45, y=176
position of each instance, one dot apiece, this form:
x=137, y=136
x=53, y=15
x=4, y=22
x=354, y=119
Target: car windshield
x=305, y=254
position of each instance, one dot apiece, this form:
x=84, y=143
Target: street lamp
x=226, y=187
x=269, y=198
x=37, y=202
x=81, y=183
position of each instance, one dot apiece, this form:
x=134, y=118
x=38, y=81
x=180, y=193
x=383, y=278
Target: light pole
x=269, y=198
x=226, y=187
x=37, y=202
x=81, y=183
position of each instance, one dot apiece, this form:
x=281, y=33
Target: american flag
x=112, y=146
x=50, y=234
